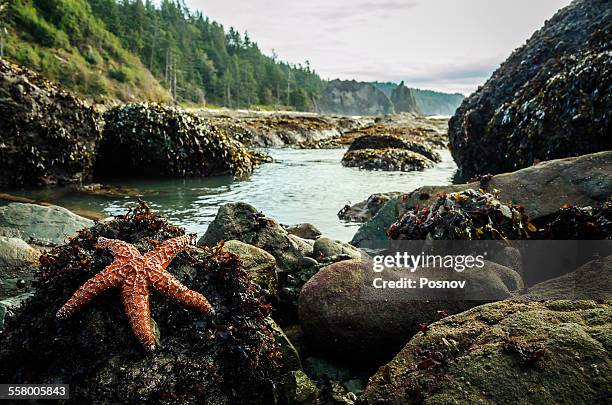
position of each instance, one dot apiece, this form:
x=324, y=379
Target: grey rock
x=260, y=264
x=363, y=211
x=326, y=247
x=42, y=224
x=304, y=231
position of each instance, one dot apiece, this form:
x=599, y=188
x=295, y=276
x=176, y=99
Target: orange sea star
x=135, y=274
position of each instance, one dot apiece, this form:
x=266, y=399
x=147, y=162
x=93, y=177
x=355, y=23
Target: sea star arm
x=119, y=248
x=108, y=278
x=167, y=284
x=164, y=253
x=135, y=297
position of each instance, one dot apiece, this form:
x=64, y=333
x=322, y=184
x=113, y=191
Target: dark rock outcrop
x=233, y=356
x=403, y=99
x=48, y=136
x=353, y=98
x=550, y=99
x=505, y=352
x=155, y=140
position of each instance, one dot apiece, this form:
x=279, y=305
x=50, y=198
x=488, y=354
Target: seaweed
x=201, y=358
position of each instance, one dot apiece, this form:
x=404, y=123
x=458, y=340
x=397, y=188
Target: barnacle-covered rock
x=233, y=356
x=393, y=141
x=465, y=215
x=156, y=140
x=550, y=99
x=48, y=135
x=388, y=159
x=505, y=352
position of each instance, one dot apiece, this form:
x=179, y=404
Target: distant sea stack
x=403, y=99
x=550, y=99
x=353, y=98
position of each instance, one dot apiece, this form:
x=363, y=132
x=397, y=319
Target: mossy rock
x=156, y=140
x=389, y=159
x=49, y=136
x=508, y=352
x=230, y=357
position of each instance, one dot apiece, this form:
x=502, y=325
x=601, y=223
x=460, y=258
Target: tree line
x=197, y=60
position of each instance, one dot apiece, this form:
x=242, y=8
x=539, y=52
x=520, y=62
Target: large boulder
x=344, y=316
x=541, y=189
x=41, y=224
x=353, y=98
x=550, y=99
x=554, y=352
x=403, y=99
x=230, y=357
x=48, y=135
x=156, y=140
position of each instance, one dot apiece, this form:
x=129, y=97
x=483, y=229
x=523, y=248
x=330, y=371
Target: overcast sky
x=446, y=45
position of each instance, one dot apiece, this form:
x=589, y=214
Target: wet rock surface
x=231, y=356
x=155, y=140
x=550, y=99
x=245, y=223
x=553, y=352
x=304, y=231
x=49, y=136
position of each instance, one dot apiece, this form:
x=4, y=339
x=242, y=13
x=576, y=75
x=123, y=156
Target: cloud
x=362, y=11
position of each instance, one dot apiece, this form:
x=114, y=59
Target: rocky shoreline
x=293, y=322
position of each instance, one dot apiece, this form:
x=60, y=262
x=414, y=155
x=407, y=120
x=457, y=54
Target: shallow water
x=300, y=186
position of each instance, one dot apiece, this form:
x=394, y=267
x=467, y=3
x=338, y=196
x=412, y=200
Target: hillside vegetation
x=135, y=50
